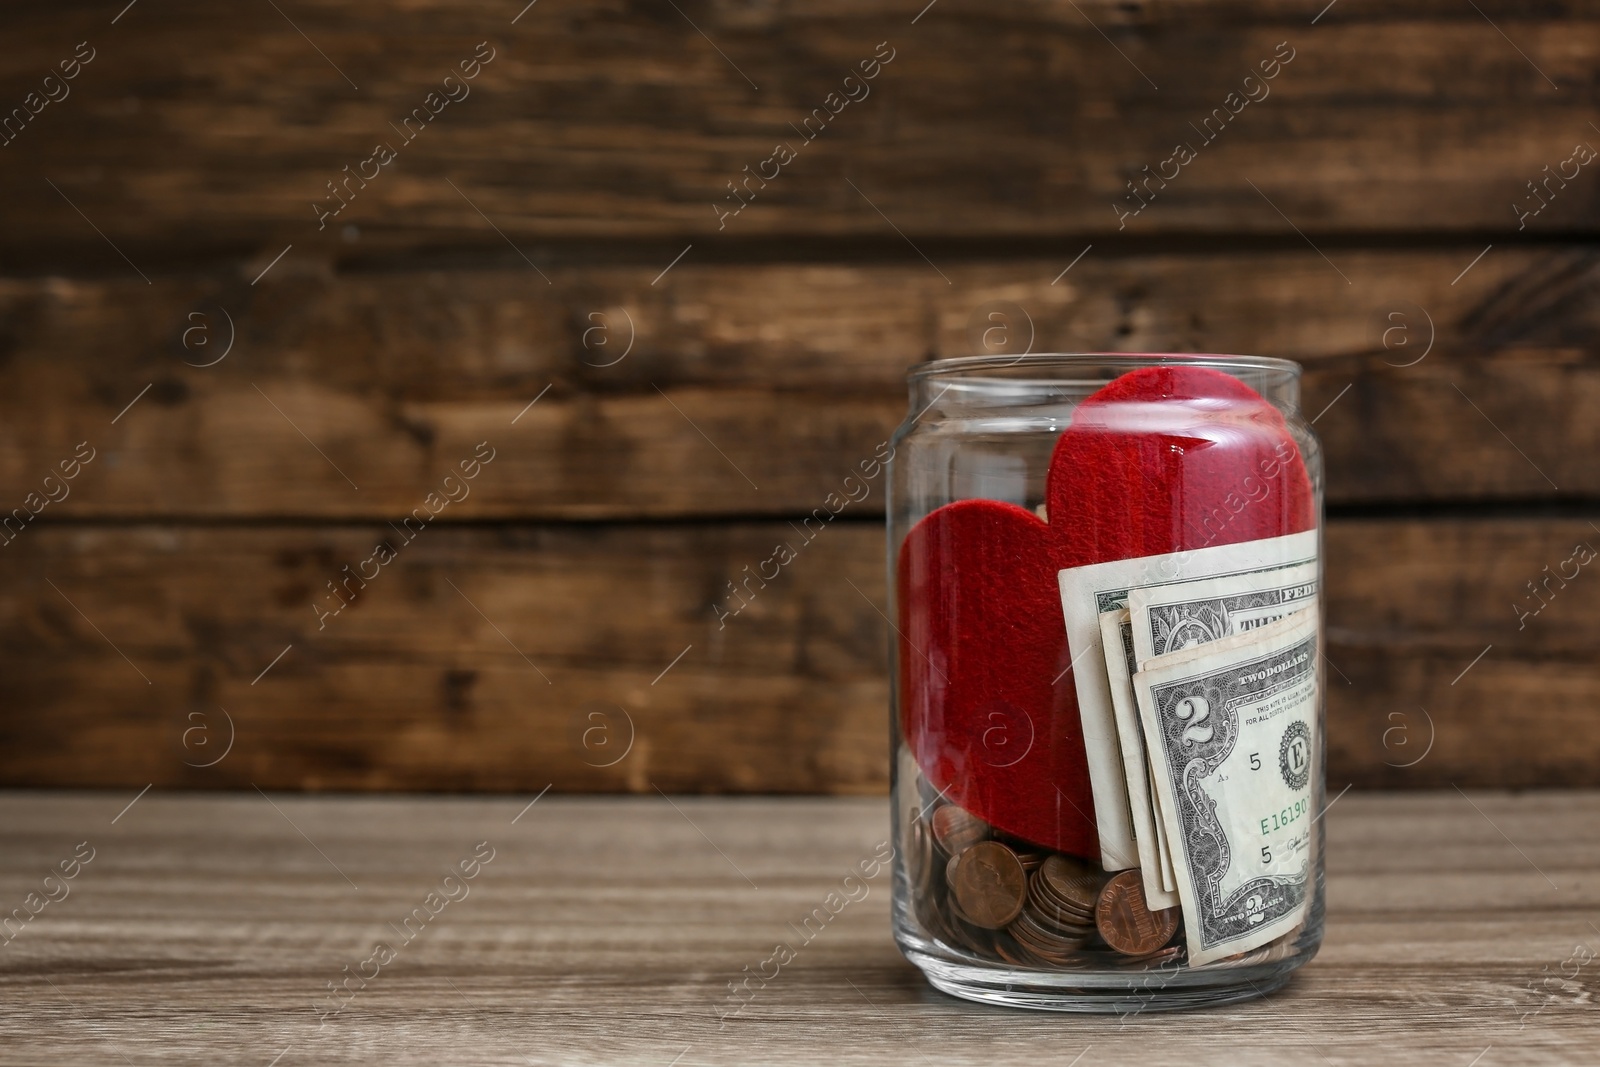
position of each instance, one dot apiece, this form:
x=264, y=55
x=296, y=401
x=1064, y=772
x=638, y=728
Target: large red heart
x=1163, y=459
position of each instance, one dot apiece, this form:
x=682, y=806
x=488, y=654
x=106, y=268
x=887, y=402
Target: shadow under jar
x=1107, y=722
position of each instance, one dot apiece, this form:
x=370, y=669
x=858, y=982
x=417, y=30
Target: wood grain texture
x=205, y=930
x=191, y=131
x=1411, y=609
x=1476, y=389
x=512, y=657
x=472, y=661
x=508, y=283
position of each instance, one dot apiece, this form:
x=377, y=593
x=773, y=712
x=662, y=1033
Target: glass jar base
x=1107, y=994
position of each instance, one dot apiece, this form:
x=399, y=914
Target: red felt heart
x=1163, y=459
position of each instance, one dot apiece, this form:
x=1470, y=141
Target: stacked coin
x=919, y=861
x=1066, y=890
x=1005, y=899
x=1059, y=915
x=926, y=878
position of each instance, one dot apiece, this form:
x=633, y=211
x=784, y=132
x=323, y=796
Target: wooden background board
x=206, y=929
x=794, y=371
x=624, y=120
x=263, y=397
x=516, y=656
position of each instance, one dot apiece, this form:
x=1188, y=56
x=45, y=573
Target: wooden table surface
x=207, y=927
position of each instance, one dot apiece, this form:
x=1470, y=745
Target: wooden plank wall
x=251, y=390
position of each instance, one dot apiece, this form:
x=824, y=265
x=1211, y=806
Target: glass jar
x=1107, y=722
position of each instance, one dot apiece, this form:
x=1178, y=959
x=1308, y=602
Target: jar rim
x=962, y=365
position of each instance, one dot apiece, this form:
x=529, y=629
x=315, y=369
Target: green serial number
x=1279, y=819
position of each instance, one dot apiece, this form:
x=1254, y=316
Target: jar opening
x=1050, y=366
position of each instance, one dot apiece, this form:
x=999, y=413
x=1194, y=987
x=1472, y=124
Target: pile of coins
x=1004, y=899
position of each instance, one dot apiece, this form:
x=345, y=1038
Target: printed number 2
x=1266, y=855
x=1198, y=709
x=1255, y=761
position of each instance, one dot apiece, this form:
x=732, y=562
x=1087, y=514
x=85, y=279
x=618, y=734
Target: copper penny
x=1014, y=954
x=989, y=884
x=1058, y=922
x=1041, y=938
x=1030, y=860
x=1071, y=883
x=957, y=829
x=1048, y=901
x=1125, y=920
x=919, y=862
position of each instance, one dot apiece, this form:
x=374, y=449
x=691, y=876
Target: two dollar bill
x=1197, y=680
